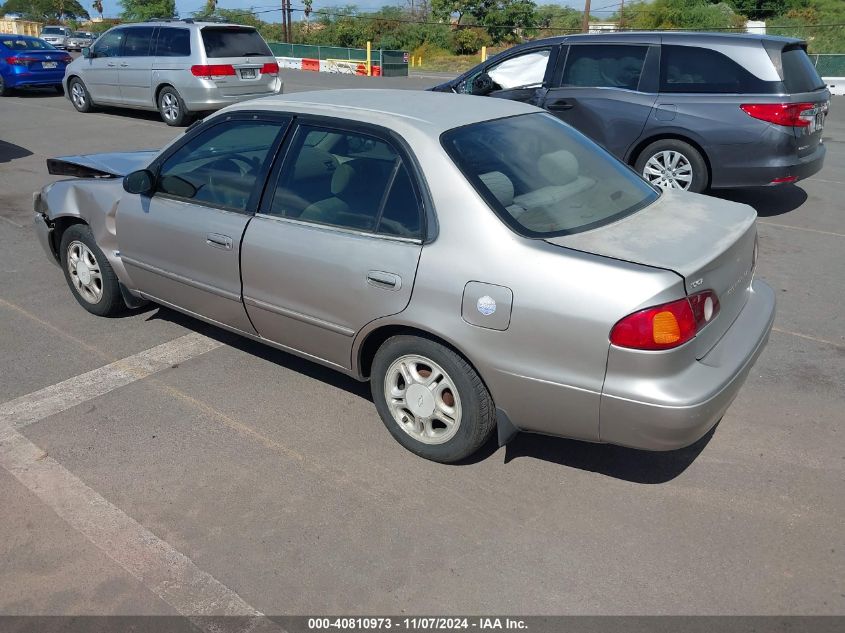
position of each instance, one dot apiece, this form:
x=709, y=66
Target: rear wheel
x=172, y=108
x=431, y=399
x=673, y=164
x=88, y=273
x=79, y=95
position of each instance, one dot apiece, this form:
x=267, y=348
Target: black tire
x=700, y=174
x=79, y=95
x=5, y=91
x=59, y=89
x=477, y=419
x=172, y=108
x=110, y=302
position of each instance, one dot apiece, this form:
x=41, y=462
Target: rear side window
x=799, y=74
x=173, y=42
x=604, y=66
x=137, y=41
x=347, y=179
x=701, y=70
x=233, y=41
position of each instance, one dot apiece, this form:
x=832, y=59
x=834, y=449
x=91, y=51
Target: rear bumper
x=755, y=166
x=204, y=94
x=677, y=409
x=42, y=78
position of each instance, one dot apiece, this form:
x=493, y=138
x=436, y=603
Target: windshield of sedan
x=543, y=178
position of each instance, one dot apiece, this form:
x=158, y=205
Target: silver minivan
x=178, y=67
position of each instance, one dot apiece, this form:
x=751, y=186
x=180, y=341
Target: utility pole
x=290, y=23
x=285, y=21
x=585, y=25
x=622, y=16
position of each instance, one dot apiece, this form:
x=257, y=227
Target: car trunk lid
x=709, y=242
x=42, y=60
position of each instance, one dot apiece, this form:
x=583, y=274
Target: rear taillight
x=270, y=68
x=789, y=114
x=213, y=70
x=20, y=61
x=668, y=325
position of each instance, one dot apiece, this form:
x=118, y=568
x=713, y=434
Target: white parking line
x=166, y=572
x=62, y=396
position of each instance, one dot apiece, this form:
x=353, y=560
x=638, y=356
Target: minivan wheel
x=79, y=96
x=172, y=108
x=673, y=164
x=430, y=399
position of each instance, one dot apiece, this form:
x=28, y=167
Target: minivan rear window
x=233, y=41
x=693, y=69
x=544, y=179
x=799, y=74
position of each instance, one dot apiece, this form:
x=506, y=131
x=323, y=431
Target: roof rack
x=186, y=20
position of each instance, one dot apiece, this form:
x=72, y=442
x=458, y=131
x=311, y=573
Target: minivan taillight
x=213, y=70
x=788, y=114
x=270, y=68
x=668, y=325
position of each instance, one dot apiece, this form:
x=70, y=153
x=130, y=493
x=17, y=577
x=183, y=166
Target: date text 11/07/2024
x=416, y=623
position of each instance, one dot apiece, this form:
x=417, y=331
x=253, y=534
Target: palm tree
x=98, y=7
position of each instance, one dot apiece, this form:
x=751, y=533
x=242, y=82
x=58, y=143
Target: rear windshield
x=799, y=74
x=232, y=41
x=543, y=178
x=20, y=44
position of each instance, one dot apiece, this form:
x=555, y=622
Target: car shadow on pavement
x=628, y=464
x=644, y=467
x=262, y=350
x=767, y=201
x=10, y=152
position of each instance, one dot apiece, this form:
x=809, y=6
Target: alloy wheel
x=169, y=106
x=84, y=272
x=77, y=94
x=422, y=399
x=669, y=169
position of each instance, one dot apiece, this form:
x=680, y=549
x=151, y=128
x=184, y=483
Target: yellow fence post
x=369, y=59
x=419, y=61
x=484, y=53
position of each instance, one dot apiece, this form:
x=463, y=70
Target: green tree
x=45, y=10
x=98, y=7
x=140, y=10
x=681, y=14
x=504, y=20
x=759, y=9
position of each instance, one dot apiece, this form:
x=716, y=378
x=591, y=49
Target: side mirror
x=140, y=182
x=86, y=52
x=483, y=85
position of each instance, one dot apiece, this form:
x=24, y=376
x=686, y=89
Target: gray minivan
x=686, y=110
x=178, y=67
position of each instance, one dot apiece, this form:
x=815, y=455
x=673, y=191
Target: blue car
x=29, y=61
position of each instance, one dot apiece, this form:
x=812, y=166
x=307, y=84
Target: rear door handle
x=559, y=106
x=381, y=279
x=124, y=65
x=111, y=64
x=219, y=241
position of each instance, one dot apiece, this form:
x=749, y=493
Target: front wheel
x=91, y=278
x=171, y=107
x=431, y=399
x=79, y=96
x=673, y=164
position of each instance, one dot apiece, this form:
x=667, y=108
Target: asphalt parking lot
x=214, y=475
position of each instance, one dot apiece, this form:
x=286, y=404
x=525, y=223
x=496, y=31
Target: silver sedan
x=484, y=266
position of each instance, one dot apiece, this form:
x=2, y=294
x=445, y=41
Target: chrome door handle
x=219, y=241
x=386, y=281
x=110, y=64
x=124, y=65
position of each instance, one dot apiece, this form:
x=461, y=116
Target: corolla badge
x=486, y=305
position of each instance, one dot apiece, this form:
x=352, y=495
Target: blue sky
x=111, y=8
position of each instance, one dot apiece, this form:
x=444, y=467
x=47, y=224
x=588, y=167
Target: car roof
x=669, y=36
x=432, y=112
x=187, y=22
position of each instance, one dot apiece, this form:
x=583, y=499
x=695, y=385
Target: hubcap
x=669, y=170
x=84, y=272
x=169, y=107
x=422, y=399
x=77, y=93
